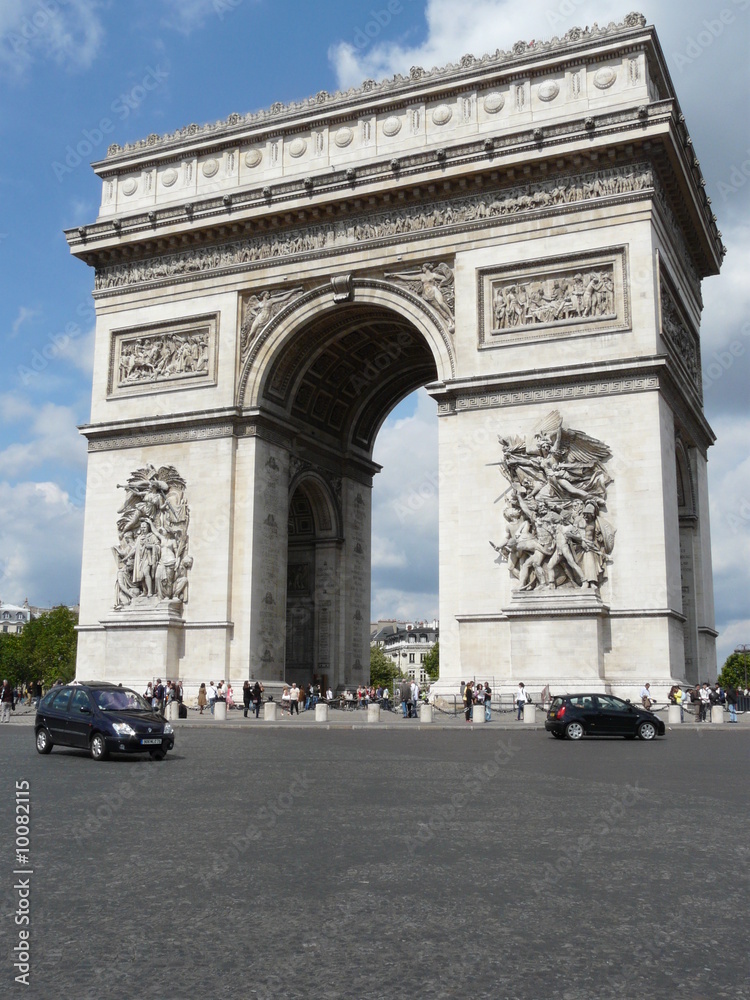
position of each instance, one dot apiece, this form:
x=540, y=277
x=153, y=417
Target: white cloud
x=52, y=437
x=68, y=31
x=24, y=315
x=40, y=544
x=187, y=15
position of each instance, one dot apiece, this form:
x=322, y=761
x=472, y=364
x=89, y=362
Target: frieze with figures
x=164, y=356
x=556, y=537
x=474, y=209
x=682, y=342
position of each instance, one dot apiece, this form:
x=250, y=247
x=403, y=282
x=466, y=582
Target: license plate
x=148, y=743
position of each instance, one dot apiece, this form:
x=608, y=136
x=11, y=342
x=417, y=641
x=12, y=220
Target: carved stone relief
x=477, y=209
x=152, y=551
x=258, y=310
x=585, y=293
x=555, y=535
x=164, y=356
x=680, y=339
x=434, y=284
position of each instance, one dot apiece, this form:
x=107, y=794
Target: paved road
x=300, y=863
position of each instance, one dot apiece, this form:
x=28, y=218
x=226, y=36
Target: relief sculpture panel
x=571, y=296
x=556, y=536
x=167, y=356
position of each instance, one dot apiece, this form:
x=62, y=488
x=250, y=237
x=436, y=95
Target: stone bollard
x=373, y=712
x=425, y=713
x=173, y=711
x=529, y=713
x=477, y=713
x=220, y=711
x=321, y=712
x=270, y=711
x=717, y=713
x=674, y=718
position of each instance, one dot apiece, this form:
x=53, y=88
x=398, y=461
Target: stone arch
x=390, y=338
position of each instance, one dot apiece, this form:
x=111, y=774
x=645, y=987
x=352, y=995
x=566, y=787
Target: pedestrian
x=246, y=695
x=212, y=696
x=646, y=697
x=521, y=699
x=386, y=703
x=405, y=692
x=293, y=694
x=468, y=701
x=257, y=697
x=159, y=692
x=202, y=697
x=679, y=700
x=301, y=699
x=704, y=695
x=731, y=697
x=414, y=700
x=230, y=696
x=487, y=702
x=7, y=701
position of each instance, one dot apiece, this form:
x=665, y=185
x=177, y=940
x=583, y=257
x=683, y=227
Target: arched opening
x=331, y=381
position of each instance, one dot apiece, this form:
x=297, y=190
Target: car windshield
x=120, y=700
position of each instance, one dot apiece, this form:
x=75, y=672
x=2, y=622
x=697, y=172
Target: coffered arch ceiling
x=341, y=373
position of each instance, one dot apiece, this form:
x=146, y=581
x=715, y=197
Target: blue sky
x=76, y=74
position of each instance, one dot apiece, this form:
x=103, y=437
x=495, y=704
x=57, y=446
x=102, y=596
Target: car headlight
x=168, y=730
x=123, y=729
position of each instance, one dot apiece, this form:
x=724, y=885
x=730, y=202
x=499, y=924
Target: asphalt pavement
x=381, y=861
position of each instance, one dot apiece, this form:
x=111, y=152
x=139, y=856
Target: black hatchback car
x=572, y=716
x=102, y=719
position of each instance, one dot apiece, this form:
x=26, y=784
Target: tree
x=432, y=662
x=11, y=663
x=48, y=647
x=735, y=671
x=383, y=671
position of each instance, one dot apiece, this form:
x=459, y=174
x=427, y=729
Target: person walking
x=246, y=695
x=487, y=702
x=7, y=701
x=294, y=699
x=521, y=699
x=731, y=697
x=646, y=697
x=202, y=697
x=705, y=701
x=212, y=696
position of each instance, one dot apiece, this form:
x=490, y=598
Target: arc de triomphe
x=525, y=234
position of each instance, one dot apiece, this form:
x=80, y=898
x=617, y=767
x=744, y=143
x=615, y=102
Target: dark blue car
x=103, y=719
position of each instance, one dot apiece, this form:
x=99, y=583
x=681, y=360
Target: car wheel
x=98, y=747
x=574, y=731
x=646, y=731
x=43, y=741
x=157, y=754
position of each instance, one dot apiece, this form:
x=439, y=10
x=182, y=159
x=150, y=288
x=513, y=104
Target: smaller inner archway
x=312, y=565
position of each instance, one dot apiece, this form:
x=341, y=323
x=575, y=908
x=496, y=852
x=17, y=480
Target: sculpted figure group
x=152, y=551
x=152, y=359
x=583, y=295
x=555, y=534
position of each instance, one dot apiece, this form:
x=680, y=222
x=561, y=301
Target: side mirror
x=627, y=700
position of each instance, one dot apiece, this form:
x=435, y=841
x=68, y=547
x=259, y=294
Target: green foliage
x=45, y=650
x=735, y=671
x=11, y=664
x=432, y=662
x=383, y=671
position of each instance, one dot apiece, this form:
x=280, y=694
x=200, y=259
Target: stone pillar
x=270, y=711
x=477, y=714
x=220, y=711
x=717, y=714
x=321, y=712
x=425, y=713
x=674, y=717
x=529, y=713
x=373, y=712
x=173, y=711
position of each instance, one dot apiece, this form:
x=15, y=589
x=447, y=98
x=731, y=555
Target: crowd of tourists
x=700, y=698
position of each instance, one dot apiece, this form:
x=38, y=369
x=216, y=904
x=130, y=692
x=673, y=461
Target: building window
x=411, y=657
x=421, y=657
x=5, y=628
